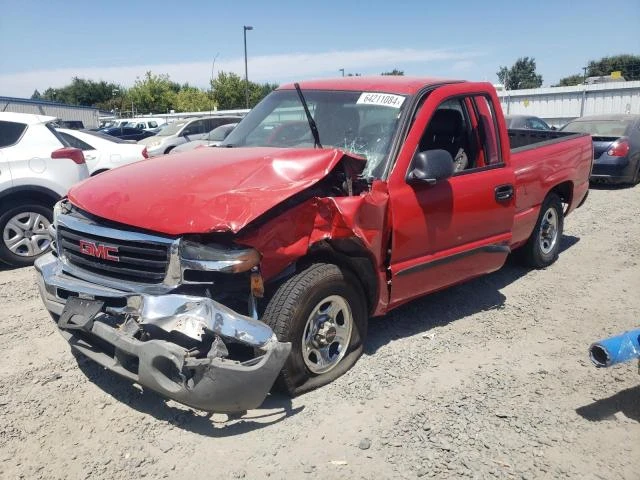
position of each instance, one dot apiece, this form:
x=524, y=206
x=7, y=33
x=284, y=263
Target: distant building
x=604, y=79
x=87, y=115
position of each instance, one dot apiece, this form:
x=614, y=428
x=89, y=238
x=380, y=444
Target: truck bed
x=521, y=139
x=541, y=160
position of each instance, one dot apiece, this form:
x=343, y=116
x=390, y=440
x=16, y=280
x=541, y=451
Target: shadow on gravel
x=277, y=407
x=449, y=305
x=609, y=186
x=625, y=402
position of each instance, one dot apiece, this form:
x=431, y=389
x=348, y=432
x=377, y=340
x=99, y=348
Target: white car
x=183, y=131
x=37, y=167
x=103, y=152
x=212, y=139
x=149, y=124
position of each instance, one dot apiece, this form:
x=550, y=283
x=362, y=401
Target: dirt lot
x=488, y=378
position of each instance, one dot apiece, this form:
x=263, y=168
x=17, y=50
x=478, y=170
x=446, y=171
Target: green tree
x=629, y=65
x=229, y=91
x=153, y=93
x=81, y=92
x=192, y=99
x=570, y=80
x=522, y=74
x=36, y=95
x=395, y=71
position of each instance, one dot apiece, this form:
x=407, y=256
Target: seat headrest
x=446, y=122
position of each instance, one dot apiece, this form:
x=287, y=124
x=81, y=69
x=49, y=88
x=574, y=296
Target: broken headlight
x=218, y=258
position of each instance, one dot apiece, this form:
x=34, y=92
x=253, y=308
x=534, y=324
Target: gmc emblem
x=99, y=251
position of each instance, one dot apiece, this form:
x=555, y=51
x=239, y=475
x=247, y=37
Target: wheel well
x=99, y=171
x=39, y=195
x=565, y=191
x=347, y=253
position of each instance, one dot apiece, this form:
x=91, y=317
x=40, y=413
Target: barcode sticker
x=382, y=99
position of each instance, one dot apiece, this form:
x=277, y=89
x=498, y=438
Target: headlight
x=154, y=144
x=217, y=258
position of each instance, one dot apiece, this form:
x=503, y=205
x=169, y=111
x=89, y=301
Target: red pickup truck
x=209, y=275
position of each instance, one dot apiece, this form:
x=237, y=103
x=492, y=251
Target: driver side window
x=450, y=129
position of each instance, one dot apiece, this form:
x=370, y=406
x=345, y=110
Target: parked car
x=526, y=122
x=212, y=139
x=149, y=124
x=224, y=269
x=37, y=167
x=616, y=145
x=127, y=133
x=70, y=124
x=183, y=131
x=103, y=152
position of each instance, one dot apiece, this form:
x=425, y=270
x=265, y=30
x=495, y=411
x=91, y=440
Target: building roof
x=43, y=102
x=398, y=84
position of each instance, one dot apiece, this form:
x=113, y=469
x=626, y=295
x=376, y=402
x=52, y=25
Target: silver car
x=182, y=131
x=212, y=139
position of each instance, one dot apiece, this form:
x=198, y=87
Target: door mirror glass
x=430, y=167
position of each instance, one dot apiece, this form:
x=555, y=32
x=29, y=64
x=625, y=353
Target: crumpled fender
x=288, y=237
x=207, y=189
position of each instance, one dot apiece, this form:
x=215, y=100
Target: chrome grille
x=138, y=260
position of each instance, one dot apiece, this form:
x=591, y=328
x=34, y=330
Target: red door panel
x=451, y=231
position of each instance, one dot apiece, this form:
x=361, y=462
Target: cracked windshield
x=361, y=123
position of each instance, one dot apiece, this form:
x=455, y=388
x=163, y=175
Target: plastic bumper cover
x=212, y=383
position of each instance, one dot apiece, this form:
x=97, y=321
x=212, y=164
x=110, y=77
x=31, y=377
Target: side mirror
x=554, y=128
x=430, y=167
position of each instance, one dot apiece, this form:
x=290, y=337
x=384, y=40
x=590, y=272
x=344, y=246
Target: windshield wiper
x=312, y=122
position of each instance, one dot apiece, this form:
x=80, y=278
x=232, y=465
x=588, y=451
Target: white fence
x=558, y=105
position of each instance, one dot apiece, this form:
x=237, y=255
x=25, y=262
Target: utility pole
x=246, y=72
x=341, y=70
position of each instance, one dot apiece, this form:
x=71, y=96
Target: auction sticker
x=382, y=99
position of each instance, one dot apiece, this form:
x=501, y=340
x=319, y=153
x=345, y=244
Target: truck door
x=460, y=227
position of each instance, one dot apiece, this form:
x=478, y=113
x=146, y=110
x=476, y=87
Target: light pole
x=246, y=72
x=341, y=70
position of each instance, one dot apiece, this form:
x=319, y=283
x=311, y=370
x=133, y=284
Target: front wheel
x=25, y=233
x=322, y=312
x=543, y=246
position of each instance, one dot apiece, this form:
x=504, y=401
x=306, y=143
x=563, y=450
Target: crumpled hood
x=206, y=189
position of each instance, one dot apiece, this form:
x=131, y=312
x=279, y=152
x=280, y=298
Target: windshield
x=362, y=123
x=599, y=128
x=171, y=129
x=220, y=133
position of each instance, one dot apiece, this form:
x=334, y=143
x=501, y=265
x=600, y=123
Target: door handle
x=504, y=193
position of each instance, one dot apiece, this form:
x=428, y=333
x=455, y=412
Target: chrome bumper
x=213, y=383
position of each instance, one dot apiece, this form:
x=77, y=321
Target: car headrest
x=445, y=122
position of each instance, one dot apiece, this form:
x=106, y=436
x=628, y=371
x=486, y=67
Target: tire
x=168, y=150
x=543, y=246
x=16, y=220
x=636, y=177
x=320, y=292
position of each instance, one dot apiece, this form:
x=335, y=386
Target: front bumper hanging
x=213, y=383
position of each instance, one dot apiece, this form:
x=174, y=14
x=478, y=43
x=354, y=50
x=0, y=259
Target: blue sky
x=45, y=43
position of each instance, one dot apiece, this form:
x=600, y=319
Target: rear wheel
x=322, y=312
x=543, y=246
x=636, y=177
x=25, y=233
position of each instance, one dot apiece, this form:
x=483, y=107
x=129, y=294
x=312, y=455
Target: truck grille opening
x=117, y=258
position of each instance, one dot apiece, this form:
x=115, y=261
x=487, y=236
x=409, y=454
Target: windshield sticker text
x=382, y=99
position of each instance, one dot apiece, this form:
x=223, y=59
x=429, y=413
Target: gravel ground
x=490, y=378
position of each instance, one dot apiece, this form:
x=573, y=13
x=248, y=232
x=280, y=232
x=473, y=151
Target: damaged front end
x=188, y=348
